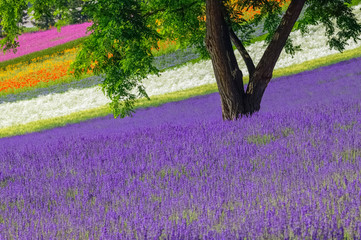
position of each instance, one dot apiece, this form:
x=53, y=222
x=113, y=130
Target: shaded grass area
x=170, y=97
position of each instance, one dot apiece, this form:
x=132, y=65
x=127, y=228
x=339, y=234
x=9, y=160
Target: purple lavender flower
x=177, y=171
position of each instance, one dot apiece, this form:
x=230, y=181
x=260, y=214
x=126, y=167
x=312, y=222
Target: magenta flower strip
x=37, y=41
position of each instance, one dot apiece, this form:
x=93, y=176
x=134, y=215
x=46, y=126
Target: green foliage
x=47, y=13
x=336, y=15
x=355, y=2
x=11, y=14
x=44, y=14
x=119, y=49
x=179, y=20
x=76, y=14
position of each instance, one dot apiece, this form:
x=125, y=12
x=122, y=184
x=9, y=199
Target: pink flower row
x=37, y=41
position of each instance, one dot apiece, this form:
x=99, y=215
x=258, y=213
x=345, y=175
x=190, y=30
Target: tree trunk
x=235, y=101
x=228, y=76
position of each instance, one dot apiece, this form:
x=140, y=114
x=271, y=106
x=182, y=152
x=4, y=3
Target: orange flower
x=250, y=12
x=33, y=78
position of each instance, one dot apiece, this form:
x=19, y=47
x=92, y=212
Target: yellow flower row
x=43, y=69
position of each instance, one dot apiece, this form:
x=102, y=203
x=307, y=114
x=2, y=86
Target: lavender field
x=291, y=171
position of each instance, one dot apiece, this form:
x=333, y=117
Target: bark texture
x=234, y=99
x=228, y=75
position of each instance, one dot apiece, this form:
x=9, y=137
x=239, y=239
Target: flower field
x=29, y=75
x=33, y=42
x=178, y=172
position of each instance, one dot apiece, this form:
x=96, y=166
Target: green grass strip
x=169, y=97
x=29, y=29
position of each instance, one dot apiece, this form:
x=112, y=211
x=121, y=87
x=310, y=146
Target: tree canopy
x=47, y=18
x=124, y=32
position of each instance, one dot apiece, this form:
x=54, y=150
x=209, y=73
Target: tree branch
x=263, y=73
x=243, y=51
x=274, y=49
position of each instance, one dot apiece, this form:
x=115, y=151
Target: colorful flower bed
x=179, y=172
x=33, y=42
x=29, y=75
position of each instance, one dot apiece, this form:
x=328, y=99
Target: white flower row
x=188, y=76
x=49, y=106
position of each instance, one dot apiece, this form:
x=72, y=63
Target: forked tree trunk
x=235, y=101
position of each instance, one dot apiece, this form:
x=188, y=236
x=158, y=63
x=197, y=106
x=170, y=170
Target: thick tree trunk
x=235, y=101
x=228, y=76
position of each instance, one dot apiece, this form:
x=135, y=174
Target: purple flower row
x=178, y=172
